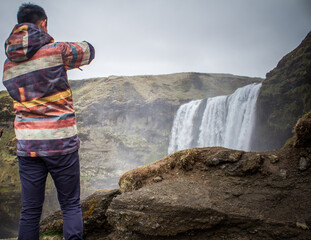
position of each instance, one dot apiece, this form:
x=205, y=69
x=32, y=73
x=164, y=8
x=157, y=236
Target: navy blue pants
x=65, y=171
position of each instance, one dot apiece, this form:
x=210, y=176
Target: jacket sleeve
x=77, y=54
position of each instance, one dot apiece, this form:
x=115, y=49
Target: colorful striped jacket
x=36, y=78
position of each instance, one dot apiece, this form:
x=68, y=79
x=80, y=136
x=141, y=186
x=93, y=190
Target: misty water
x=226, y=121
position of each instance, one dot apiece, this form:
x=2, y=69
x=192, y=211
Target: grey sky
x=135, y=37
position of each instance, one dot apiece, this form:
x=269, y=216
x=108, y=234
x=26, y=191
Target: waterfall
x=225, y=121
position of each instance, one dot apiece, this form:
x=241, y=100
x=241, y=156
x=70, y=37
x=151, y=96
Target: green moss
x=127, y=184
x=186, y=159
x=9, y=176
x=289, y=143
x=3, y=94
x=51, y=235
x=6, y=109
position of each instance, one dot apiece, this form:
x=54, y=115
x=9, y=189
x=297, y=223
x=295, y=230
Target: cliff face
x=284, y=96
x=125, y=122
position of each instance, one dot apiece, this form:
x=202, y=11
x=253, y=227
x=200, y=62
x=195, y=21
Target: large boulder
x=210, y=193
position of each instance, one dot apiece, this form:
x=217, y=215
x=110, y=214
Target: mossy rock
x=303, y=132
x=93, y=212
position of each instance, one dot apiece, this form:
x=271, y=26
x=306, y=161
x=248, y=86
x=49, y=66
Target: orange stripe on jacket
x=43, y=100
x=48, y=109
x=33, y=154
x=22, y=94
x=45, y=124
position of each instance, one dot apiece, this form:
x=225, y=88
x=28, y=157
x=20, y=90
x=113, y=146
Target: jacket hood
x=24, y=41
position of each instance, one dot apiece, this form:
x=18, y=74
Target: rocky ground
x=208, y=193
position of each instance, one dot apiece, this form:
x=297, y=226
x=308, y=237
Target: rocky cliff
x=284, y=96
x=207, y=193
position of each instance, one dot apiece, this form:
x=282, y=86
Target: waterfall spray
x=225, y=121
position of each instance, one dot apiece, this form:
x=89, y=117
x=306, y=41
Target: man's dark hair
x=30, y=13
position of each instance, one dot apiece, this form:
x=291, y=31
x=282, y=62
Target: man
x=45, y=124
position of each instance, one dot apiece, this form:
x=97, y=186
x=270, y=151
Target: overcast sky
x=136, y=37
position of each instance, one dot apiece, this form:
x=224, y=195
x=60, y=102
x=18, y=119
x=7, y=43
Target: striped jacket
x=35, y=77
